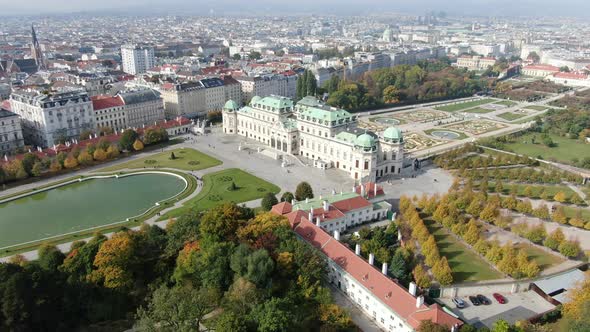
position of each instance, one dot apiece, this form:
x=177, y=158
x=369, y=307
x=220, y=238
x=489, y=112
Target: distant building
x=276, y=84
x=539, y=70
x=193, y=99
x=233, y=89
x=109, y=112
x=142, y=107
x=51, y=117
x=5, y=91
x=137, y=59
x=11, y=134
x=570, y=79
x=475, y=62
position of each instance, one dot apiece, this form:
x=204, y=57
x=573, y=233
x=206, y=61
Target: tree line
x=404, y=84
x=32, y=165
x=225, y=269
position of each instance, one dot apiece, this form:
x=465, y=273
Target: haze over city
x=245, y=166
x=338, y=7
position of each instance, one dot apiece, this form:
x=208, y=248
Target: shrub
x=570, y=249
x=138, y=145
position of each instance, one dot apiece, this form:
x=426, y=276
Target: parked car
x=501, y=299
x=483, y=300
x=459, y=303
x=474, y=300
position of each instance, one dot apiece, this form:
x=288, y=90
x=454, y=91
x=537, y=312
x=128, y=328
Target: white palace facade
x=311, y=129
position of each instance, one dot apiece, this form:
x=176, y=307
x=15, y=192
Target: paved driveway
x=519, y=306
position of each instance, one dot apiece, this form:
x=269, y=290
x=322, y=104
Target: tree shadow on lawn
x=460, y=276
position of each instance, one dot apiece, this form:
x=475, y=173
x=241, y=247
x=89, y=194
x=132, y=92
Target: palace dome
x=393, y=134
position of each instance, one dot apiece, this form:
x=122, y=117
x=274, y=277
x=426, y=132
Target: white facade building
x=392, y=307
x=137, y=59
x=11, y=134
x=51, y=117
x=326, y=135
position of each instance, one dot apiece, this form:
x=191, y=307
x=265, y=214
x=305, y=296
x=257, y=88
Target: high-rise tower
x=36, y=50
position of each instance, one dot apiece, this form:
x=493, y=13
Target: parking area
x=519, y=306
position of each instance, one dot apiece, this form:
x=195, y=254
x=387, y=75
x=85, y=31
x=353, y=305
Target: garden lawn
x=462, y=106
x=511, y=116
x=572, y=211
x=216, y=190
x=536, y=107
x=465, y=264
x=565, y=150
x=506, y=103
x=478, y=110
x=543, y=258
x=185, y=159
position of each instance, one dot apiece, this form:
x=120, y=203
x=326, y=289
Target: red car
x=501, y=299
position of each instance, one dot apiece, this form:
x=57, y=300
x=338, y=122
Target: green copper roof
x=231, y=105
x=365, y=141
x=346, y=137
x=310, y=109
x=393, y=133
x=272, y=103
x=317, y=203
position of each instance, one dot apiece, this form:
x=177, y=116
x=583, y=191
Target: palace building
x=326, y=135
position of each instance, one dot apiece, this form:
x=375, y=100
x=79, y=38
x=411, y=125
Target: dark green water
x=82, y=205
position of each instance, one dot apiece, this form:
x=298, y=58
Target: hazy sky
x=480, y=7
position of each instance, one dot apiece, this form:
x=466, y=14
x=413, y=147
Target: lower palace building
x=311, y=129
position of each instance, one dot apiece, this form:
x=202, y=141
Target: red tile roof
x=102, y=102
x=295, y=217
x=385, y=289
x=6, y=105
x=370, y=190
x=571, y=76
x=542, y=67
x=351, y=204
x=282, y=208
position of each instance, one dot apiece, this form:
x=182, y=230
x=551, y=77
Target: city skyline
x=571, y=8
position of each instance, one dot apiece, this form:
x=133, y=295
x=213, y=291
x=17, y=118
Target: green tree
x=391, y=95
x=554, y=239
x=222, y=222
x=303, y=191
x=287, y=197
x=559, y=215
x=254, y=55
x=37, y=170
x=127, y=139
x=501, y=326
x=268, y=201
x=49, y=257
x=397, y=266
x=541, y=212
x=570, y=249
x=176, y=309
x=229, y=321
x=472, y=235
x=28, y=161
x=273, y=315
x=85, y=158
x=310, y=84
x=260, y=267
x=429, y=326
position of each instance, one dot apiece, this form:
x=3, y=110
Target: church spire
x=36, y=50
